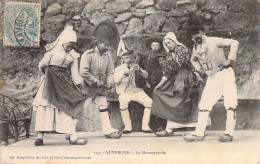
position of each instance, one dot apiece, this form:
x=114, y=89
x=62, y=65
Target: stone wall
x=136, y=20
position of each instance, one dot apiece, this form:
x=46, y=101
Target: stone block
x=118, y=6
x=53, y=9
x=62, y=2
x=123, y=17
x=248, y=6
x=134, y=1
x=234, y=21
x=94, y=5
x=71, y=9
x=187, y=7
x=150, y=10
x=53, y=23
x=171, y=25
x=214, y=6
x=97, y=17
x=139, y=12
x=144, y=4
x=166, y=5
x=174, y=13
x=154, y=22
x=75, y=1
x=121, y=28
x=135, y=26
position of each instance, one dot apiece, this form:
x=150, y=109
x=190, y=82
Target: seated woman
x=173, y=98
x=59, y=100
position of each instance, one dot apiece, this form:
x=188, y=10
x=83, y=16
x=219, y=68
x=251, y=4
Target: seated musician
x=128, y=89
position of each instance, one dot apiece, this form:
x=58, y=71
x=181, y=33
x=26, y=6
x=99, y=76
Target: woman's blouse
x=177, y=59
x=65, y=60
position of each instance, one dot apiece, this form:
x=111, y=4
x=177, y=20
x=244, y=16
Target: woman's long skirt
x=177, y=101
x=54, y=111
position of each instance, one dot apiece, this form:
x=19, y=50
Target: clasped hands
x=102, y=84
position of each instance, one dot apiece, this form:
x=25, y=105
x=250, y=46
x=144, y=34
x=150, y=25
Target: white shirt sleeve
x=119, y=74
x=233, y=44
x=75, y=72
x=45, y=60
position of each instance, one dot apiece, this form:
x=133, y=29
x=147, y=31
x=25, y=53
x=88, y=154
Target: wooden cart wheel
x=14, y=112
x=7, y=100
x=8, y=114
x=23, y=112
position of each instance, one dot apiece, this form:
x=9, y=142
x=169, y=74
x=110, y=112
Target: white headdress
x=171, y=36
x=67, y=35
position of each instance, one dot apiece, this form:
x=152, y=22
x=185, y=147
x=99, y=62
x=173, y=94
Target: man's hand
x=202, y=73
x=128, y=71
x=99, y=83
x=109, y=86
x=226, y=64
x=200, y=78
x=136, y=67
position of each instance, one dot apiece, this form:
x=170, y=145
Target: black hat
x=149, y=41
x=161, y=55
x=106, y=31
x=129, y=52
x=195, y=23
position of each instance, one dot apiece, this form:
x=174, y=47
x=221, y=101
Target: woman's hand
x=81, y=89
x=162, y=82
x=157, y=87
x=43, y=68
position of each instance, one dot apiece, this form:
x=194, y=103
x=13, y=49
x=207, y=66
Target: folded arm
x=233, y=44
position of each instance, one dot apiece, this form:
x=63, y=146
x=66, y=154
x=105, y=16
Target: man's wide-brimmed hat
x=149, y=41
x=161, y=55
x=129, y=52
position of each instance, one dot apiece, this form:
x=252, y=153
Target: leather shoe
x=114, y=135
x=78, y=141
x=126, y=131
x=163, y=134
x=38, y=142
x=225, y=138
x=193, y=138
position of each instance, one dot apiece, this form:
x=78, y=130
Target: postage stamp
x=22, y=24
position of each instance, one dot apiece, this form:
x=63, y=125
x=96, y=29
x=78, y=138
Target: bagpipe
x=139, y=80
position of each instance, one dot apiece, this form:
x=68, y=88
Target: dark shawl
x=60, y=91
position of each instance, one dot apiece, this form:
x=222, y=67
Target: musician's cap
x=161, y=55
x=128, y=53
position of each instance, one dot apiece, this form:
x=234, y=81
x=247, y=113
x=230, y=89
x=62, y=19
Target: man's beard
x=198, y=40
x=103, y=50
